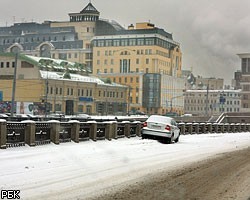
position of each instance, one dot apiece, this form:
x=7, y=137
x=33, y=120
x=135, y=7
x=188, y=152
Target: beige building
x=146, y=59
x=59, y=86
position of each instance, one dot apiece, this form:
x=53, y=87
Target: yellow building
x=126, y=56
x=46, y=85
x=145, y=58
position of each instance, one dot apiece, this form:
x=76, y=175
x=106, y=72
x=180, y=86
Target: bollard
x=93, y=130
x=196, y=127
x=202, y=127
x=30, y=132
x=238, y=127
x=209, y=128
x=248, y=127
x=221, y=126
x=114, y=132
x=54, y=131
x=109, y=130
x=3, y=134
x=182, y=128
x=216, y=128
x=75, y=129
x=189, y=128
x=126, y=128
x=243, y=127
x=138, y=128
x=232, y=128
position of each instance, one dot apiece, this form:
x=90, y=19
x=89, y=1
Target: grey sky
x=211, y=33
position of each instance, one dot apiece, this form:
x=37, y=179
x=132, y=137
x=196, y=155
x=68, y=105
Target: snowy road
x=78, y=171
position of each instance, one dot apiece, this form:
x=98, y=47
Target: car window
x=173, y=123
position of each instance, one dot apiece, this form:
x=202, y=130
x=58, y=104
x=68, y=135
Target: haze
x=211, y=33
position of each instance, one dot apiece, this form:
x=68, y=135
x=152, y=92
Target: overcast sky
x=211, y=33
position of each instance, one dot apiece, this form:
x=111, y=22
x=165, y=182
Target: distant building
x=199, y=82
x=237, y=79
x=53, y=85
x=212, y=102
x=244, y=80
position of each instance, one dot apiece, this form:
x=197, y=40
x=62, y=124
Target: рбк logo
x=10, y=194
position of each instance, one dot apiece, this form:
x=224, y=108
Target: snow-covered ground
x=72, y=170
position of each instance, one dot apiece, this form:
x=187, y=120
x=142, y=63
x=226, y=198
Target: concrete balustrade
x=37, y=132
x=3, y=134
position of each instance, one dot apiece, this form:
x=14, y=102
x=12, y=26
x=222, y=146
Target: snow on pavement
x=72, y=170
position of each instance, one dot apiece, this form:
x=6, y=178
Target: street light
x=171, y=102
x=15, y=50
x=45, y=62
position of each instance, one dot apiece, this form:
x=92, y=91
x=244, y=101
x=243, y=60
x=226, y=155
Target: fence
x=33, y=133
x=13, y=134
x=202, y=128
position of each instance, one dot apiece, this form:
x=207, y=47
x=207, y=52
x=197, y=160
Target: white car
x=162, y=128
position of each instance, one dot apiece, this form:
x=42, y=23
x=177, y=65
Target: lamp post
x=171, y=102
x=206, y=111
x=16, y=51
x=46, y=62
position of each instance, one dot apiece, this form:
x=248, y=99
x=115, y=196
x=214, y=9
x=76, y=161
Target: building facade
x=125, y=56
x=148, y=61
x=244, y=81
x=46, y=85
x=212, y=102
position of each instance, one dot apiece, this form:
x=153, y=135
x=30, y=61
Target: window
x=7, y=64
x=116, y=43
x=108, y=42
x=2, y=64
x=124, y=42
x=132, y=42
x=140, y=42
x=125, y=66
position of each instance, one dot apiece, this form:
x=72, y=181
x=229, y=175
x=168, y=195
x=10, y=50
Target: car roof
x=160, y=118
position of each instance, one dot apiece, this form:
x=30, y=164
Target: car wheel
x=177, y=139
x=170, y=140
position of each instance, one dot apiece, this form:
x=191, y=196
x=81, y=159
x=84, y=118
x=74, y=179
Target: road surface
x=227, y=176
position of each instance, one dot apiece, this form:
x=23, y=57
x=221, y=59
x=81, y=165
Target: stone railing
x=33, y=133
x=13, y=134
x=203, y=128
